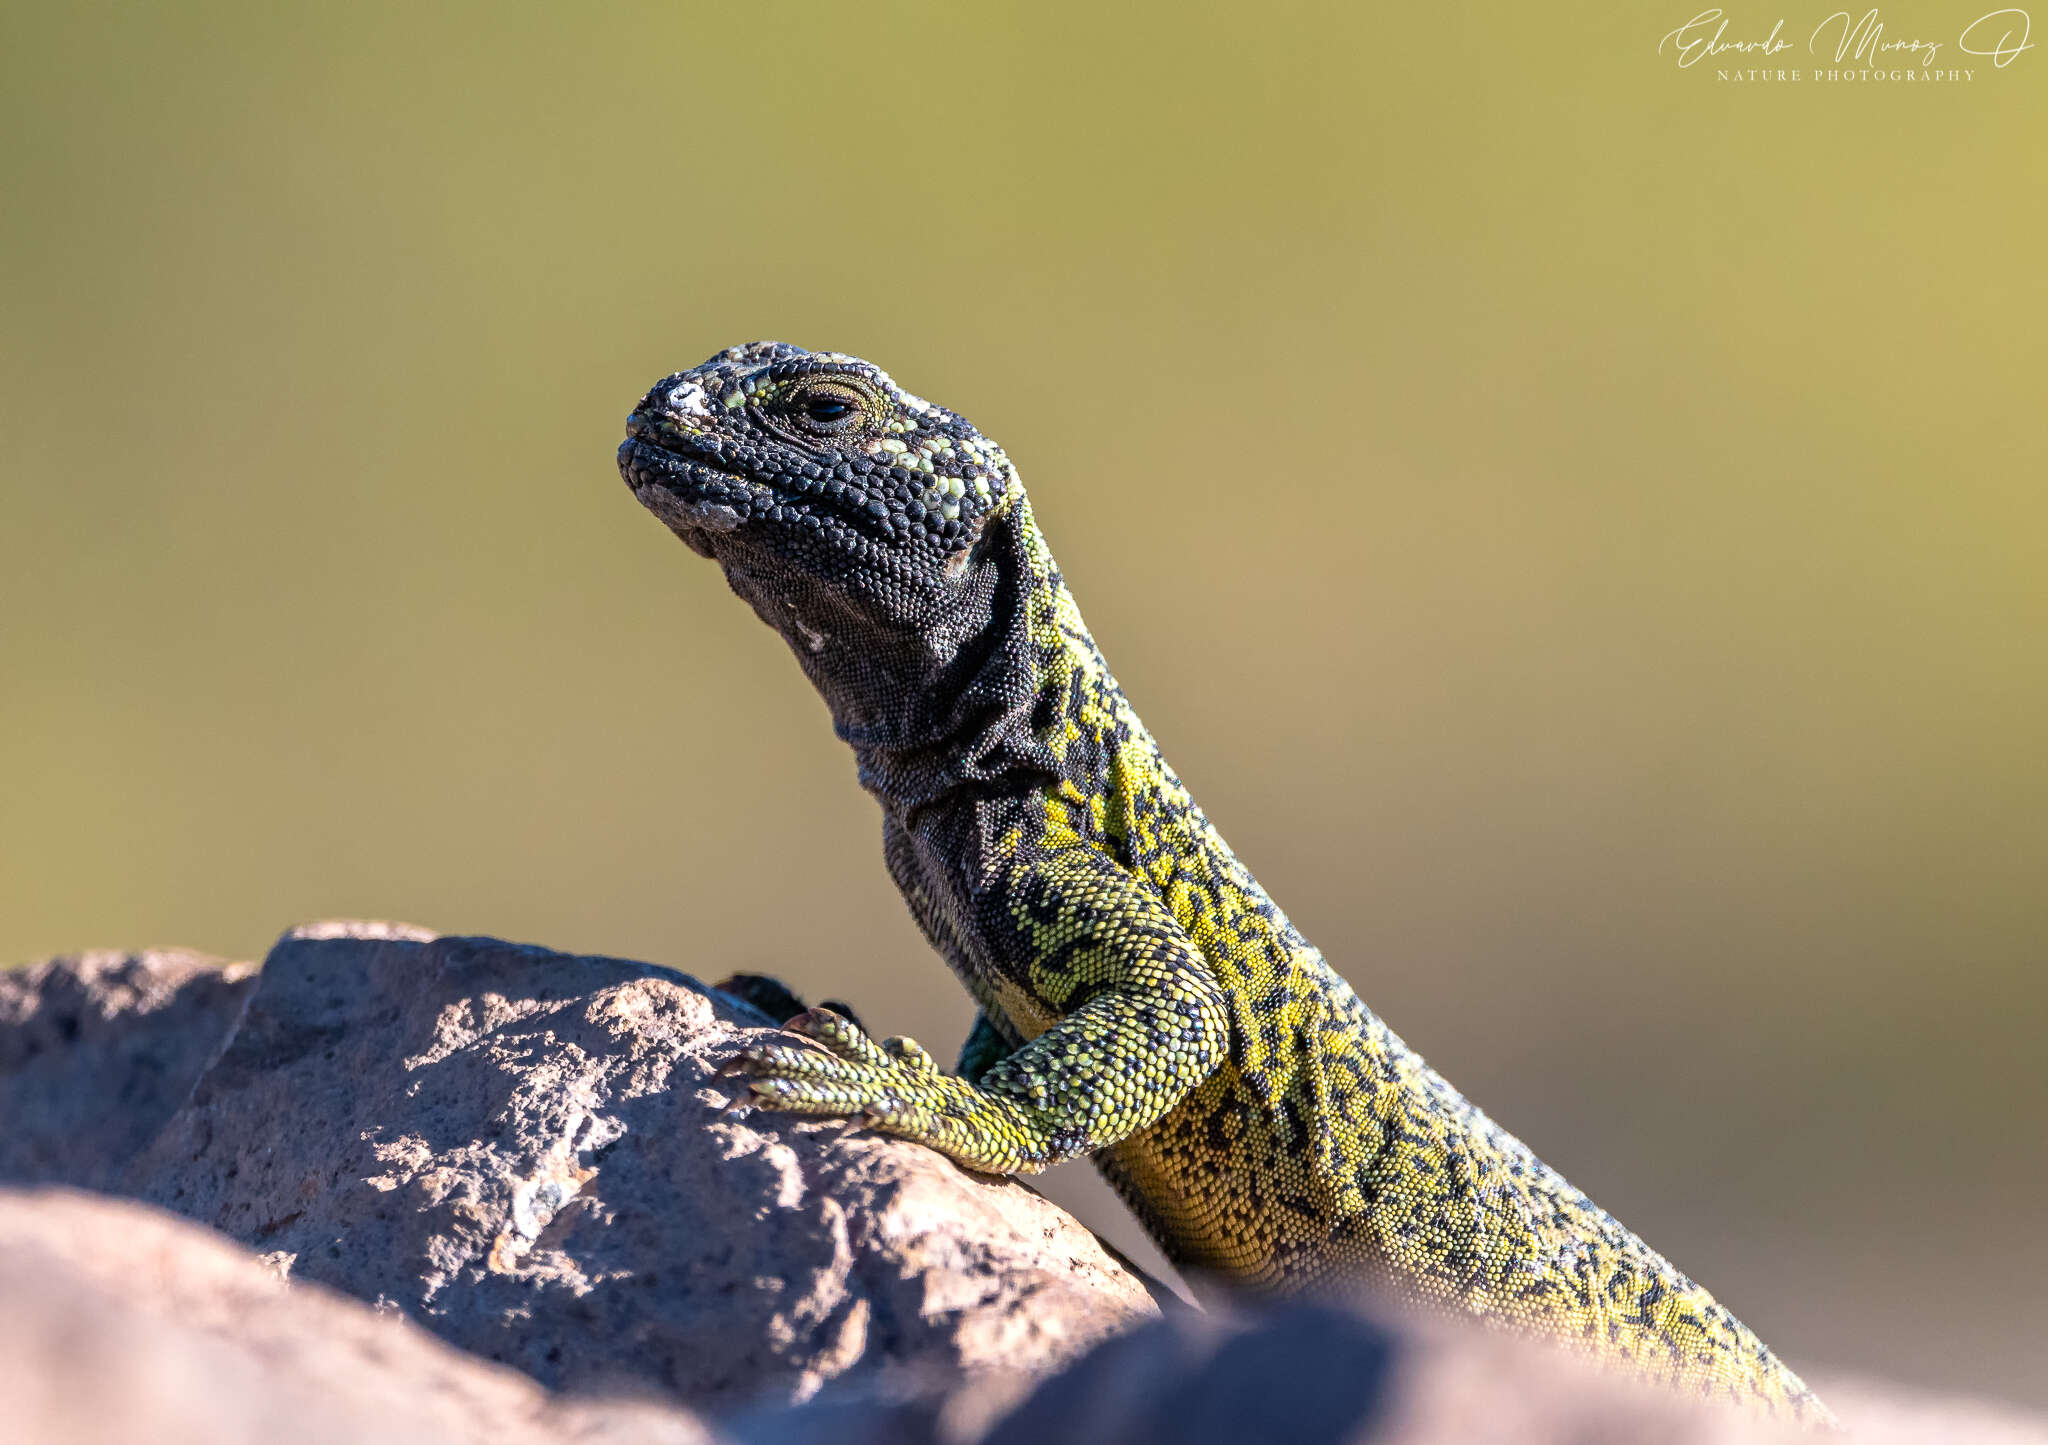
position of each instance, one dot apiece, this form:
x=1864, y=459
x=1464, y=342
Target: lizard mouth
x=686, y=489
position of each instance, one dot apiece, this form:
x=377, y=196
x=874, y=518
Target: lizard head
x=850, y=513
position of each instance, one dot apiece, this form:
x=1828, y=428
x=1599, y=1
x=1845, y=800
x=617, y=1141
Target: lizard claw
x=752, y=1060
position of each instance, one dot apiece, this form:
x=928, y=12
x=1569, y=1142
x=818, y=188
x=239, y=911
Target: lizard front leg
x=1139, y=1022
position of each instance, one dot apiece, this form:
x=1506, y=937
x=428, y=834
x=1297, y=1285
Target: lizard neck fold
x=961, y=707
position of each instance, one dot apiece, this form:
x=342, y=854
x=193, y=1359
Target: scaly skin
x=1142, y=999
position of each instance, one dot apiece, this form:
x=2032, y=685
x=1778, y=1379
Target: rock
x=1312, y=1374
x=1316, y=1374
x=98, y=1050
x=526, y=1152
x=1878, y=1413
x=120, y=1324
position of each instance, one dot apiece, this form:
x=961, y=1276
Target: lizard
x=1141, y=1000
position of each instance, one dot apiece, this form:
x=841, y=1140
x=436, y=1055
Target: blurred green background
x=1577, y=525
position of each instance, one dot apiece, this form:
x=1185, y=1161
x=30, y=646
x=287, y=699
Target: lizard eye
x=828, y=408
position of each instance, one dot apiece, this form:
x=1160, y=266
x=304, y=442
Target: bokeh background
x=1578, y=526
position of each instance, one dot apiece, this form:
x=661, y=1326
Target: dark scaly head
x=853, y=516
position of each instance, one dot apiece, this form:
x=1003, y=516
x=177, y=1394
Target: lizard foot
x=894, y=1086
x=836, y=1069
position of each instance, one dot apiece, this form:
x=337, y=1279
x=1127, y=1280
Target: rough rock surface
x=120, y=1324
x=525, y=1151
x=522, y=1151
x=98, y=1050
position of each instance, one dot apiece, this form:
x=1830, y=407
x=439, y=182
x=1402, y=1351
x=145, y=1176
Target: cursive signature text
x=1705, y=35
x=2009, y=42
x=1865, y=40
x=2001, y=35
